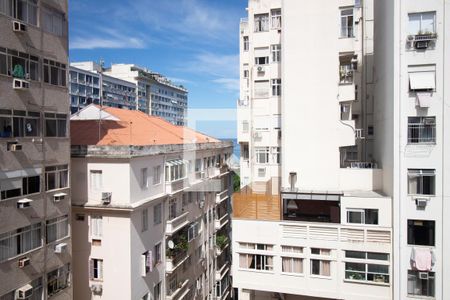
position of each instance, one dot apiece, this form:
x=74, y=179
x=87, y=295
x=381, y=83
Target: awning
x=175, y=162
x=423, y=100
x=422, y=80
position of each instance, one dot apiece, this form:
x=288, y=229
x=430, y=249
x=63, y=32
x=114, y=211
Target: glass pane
x=414, y=24
x=355, y=217
x=428, y=22
x=50, y=128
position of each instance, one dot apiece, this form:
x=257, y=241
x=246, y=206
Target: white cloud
x=106, y=38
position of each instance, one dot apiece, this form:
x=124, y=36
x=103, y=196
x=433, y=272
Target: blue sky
x=193, y=42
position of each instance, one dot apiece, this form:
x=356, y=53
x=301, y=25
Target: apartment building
x=156, y=94
x=88, y=85
x=411, y=108
x=151, y=208
x=312, y=220
x=35, y=243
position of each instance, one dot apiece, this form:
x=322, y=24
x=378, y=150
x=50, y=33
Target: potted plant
x=221, y=241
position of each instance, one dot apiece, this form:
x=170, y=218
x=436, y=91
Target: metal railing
x=421, y=134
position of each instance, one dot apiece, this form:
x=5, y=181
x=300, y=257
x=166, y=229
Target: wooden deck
x=256, y=206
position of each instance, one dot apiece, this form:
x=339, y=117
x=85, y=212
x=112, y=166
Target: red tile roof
x=134, y=128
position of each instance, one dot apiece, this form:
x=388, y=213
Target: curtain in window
x=243, y=261
x=286, y=264
x=51, y=233
x=6, y=8
x=269, y=263
x=326, y=266
x=298, y=265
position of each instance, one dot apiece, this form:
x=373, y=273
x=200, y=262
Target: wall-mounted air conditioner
x=19, y=26
x=24, y=292
x=20, y=84
x=23, y=262
x=423, y=275
x=97, y=288
x=59, y=197
x=421, y=202
x=15, y=147
x=106, y=197
x=61, y=248
x=24, y=203
x=260, y=69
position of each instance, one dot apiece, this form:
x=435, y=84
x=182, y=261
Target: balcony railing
x=363, y=165
x=177, y=223
x=421, y=134
x=222, y=196
x=175, y=260
x=177, y=293
x=222, y=271
x=219, y=223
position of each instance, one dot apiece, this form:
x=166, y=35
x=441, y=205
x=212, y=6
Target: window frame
x=420, y=174
x=261, y=22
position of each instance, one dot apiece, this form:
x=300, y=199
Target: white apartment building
x=89, y=85
x=412, y=138
x=35, y=235
x=156, y=94
x=312, y=221
x=151, y=208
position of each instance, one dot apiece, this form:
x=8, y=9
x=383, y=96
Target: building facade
x=35, y=242
x=311, y=221
x=157, y=95
x=412, y=137
x=88, y=85
x=151, y=209
x=359, y=207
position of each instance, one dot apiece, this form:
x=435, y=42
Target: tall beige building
x=35, y=255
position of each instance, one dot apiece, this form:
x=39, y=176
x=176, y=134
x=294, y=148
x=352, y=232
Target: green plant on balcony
x=221, y=241
x=181, y=245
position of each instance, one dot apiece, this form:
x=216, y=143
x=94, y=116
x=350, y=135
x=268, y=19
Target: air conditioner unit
x=15, y=147
x=257, y=135
x=20, y=84
x=23, y=262
x=97, y=288
x=24, y=203
x=429, y=121
x=421, y=202
x=24, y=292
x=19, y=26
x=59, y=197
x=260, y=69
x=106, y=197
x=423, y=275
x=61, y=248
x=420, y=45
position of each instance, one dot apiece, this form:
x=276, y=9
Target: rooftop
x=107, y=126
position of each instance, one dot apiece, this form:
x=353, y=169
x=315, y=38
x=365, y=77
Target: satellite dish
x=170, y=244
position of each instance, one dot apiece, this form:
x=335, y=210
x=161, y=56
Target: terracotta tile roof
x=134, y=128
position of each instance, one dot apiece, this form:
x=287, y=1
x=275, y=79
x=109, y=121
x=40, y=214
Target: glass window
x=245, y=43
x=292, y=265
x=19, y=241
x=421, y=283
x=157, y=213
x=362, y=216
x=144, y=220
x=261, y=22
x=262, y=155
x=96, y=272
x=422, y=23
x=53, y=21
x=347, y=23
x=276, y=87
x=421, y=232
x=421, y=181
x=421, y=130
x=57, y=228
x=276, y=53
x=58, y=280
x=276, y=18
x=56, y=177
x=320, y=267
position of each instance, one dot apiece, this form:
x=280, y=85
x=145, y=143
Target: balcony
x=220, y=223
x=177, y=223
x=175, y=259
x=222, y=271
x=248, y=204
x=346, y=92
x=222, y=243
x=175, y=186
x=222, y=196
x=309, y=207
x=180, y=292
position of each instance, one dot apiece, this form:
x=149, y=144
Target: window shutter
x=91, y=269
